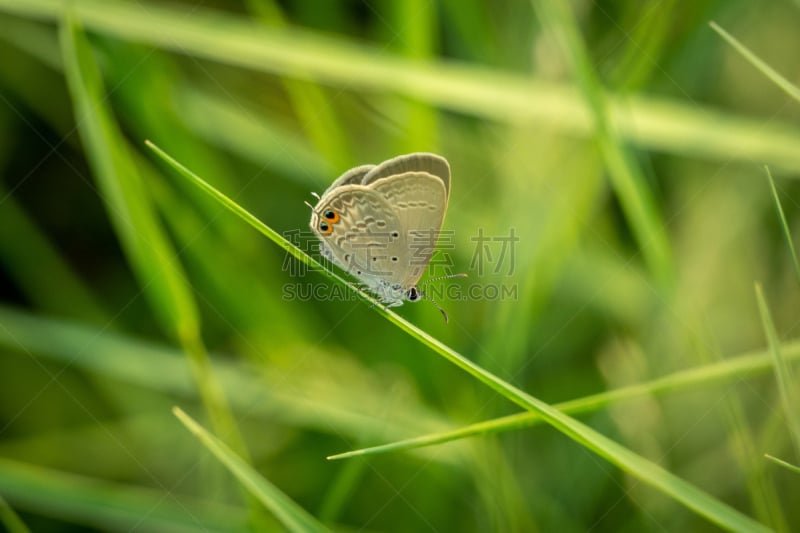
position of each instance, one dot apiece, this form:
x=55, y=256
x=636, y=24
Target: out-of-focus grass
x=269, y=102
x=787, y=233
x=784, y=377
x=731, y=369
x=638, y=466
x=290, y=515
x=10, y=519
x=133, y=216
x=784, y=464
x=787, y=86
x=105, y=504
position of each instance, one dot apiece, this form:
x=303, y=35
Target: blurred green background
x=629, y=163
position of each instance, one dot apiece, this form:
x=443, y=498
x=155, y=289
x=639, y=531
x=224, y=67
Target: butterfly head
x=415, y=293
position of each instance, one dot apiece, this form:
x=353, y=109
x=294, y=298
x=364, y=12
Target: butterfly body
x=381, y=222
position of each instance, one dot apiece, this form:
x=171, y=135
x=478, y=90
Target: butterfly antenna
x=448, y=276
x=431, y=300
x=439, y=307
x=315, y=195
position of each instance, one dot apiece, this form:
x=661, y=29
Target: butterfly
x=381, y=223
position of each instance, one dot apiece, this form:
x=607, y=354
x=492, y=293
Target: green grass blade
x=341, y=490
x=647, y=471
x=738, y=367
x=787, y=384
x=784, y=84
x=110, y=506
x=314, y=109
x=497, y=95
x=765, y=499
x=121, y=189
x=786, y=233
x=783, y=463
x=418, y=21
x=764, y=496
x=292, y=516
x=11, y=519
x=245, y=215
x=133, y=216
x=646, y=45
x=628, y=182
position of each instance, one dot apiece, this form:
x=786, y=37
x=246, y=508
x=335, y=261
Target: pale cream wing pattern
x=419, y=162
x=381, y=223
x=365, y=235
x=419, y=201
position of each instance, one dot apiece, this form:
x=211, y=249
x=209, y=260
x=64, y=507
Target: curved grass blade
x=691, y=496
x=786, y=233
x=783, y=463
x=133, y=216
x=120, y=187
x=784, y=84
x=790, y=395
x=268, y=232
x=291, y=515
x=734, y=368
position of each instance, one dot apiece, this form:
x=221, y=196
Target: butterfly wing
x=419, y=201
x=363, y=233
x=352, y=176
x=418, y=162
x=384, y=220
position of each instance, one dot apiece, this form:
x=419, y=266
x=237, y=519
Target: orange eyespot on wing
x=331, y=215
x=325, y=228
